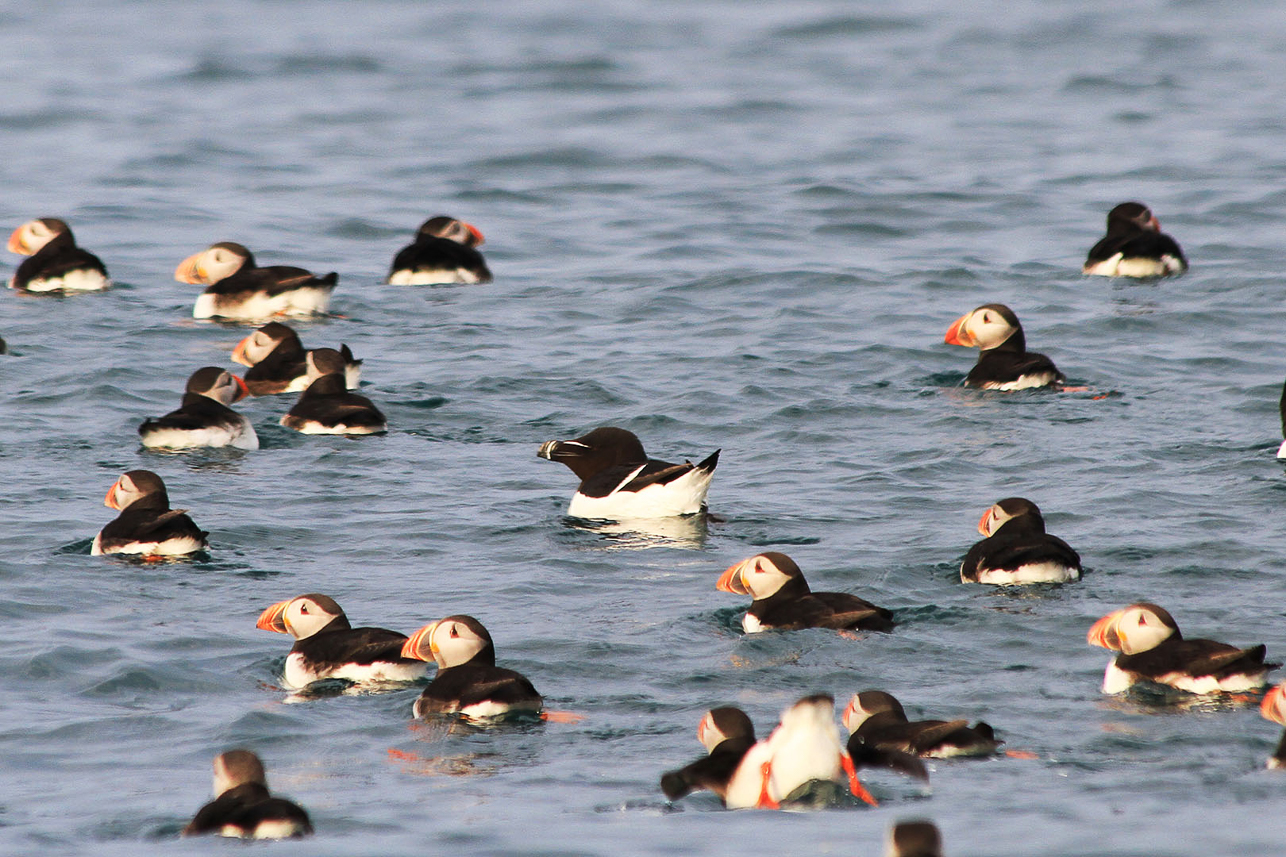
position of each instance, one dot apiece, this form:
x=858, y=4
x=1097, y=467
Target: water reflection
x=687, y=533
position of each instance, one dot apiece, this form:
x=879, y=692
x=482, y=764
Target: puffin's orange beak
x=274, y=618
x=850, y=711
x=982, y=522
x=1274, y=705
x=701, y=730
x=17, y=244
x=730, y=580
x=110, y=500
x=243, y=390
x=238, y=353
x=477, y=236
x=1104, y=632
x=189, y=270
x=411, y=648
x=957, y=335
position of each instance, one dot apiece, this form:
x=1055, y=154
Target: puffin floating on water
x=327, y=646
x=727, y=734
x=243, y=807
x=278, y=361
x=240, y=290
x=443, y=252
x=1017, y=549
x=468, y=681
x=877, y=721
x=203, y=418
x=1153, y=650
x=326, y=406
x=146, y=525
x=783, y=599
x=620, y=482
x=1134, y=246
x=1005, y=363
x=56, y=264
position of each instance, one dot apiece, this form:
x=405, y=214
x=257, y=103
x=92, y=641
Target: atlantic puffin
x=277, y=361
x=1153, y=650
x=1274, y=708
x=242, y=806
x=876, y=720
x=56, y=263
x=804, y=747
x=619, y=481
x=782, y=599
x=241, y=290
x=1016, y=549
x=468, y=681
x=203, y=417
x=326, y=406
x=146, y=525
x=1134, y=246
x=727, y=734
x=1281, y=450
x=1005, y=363
x=914, y=838
x=443, y=252
x=327, y=646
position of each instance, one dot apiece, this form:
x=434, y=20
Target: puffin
x=240, y=290
x=326, y=406
x=56, y=263
x=804, y=747
x=203, y=418
x=443, y=252
x=468, y=681
x=146, y=525
x=242, y=806
x=782, y=599
x=327, y=646
x=878, y=723
x=727, y=734
x=1153, y=650
x=1274, y=708
x=620, y=482
x=1281, y=450
x=914, y=838
x=1134, y=246
x=277, y=362
x=1016, y=549
x=1005, y=363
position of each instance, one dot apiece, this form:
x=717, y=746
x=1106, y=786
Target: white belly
x=307, y=301
x=296, y=675
x=314, y=427
x=72, y=281
x=241, y=437
x=181, y=546
x=1036, y=572
x=407, y=277
x=684, y=496
x=1023, y=382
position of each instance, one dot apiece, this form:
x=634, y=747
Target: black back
x=147, y=519
x=795, y=606
x=328, y=401
x=430, y=253
x=59, y=257
x=1020, y=541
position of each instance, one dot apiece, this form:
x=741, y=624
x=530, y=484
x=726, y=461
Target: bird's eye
x=1143, y=618
x=986, y=319
x=303, y=608
x=454, y=632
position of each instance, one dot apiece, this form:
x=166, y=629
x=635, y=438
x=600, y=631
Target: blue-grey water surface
x=724, y=224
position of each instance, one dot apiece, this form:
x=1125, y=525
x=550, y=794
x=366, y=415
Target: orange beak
x=238, y=353
x=957, y=335
x=243, y=390
x=730, y=580
x=411, y=648
x=850, y=711
x=18, y=245
x=189, y=270
x=1274, y=705
x=110, y=500
x=274, y=618
x=477, y=236
x=1104, y=632
x=982, y=522
x=701, y=730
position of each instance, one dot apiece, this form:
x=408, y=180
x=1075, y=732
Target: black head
x=878, y=702
x=237, y=250
x=237, y=768
x=597, y=451
x=326, y=361
x=733, y=723
x=451, y=229
x=917, y=838
x=1133, y=215
x=147, y=483
x=279, y=332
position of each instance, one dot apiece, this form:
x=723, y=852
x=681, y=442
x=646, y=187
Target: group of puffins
x=620, y=482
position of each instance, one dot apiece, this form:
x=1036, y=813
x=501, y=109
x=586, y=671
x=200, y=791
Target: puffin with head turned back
x=278, y=361
x=326, y=406
x=1017, y=549
x=203, y=418
x=1134, y=246
x=1152, y=649
x=327, y=646
x=1004, y=362
x=783, y=600
x=620, y=482
x=468, y=681
x=877, y=722
x=146, y=525
x=443, y=252
x=243, y=807
x=238, y=289
x=56, y=264
x=727, y=735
